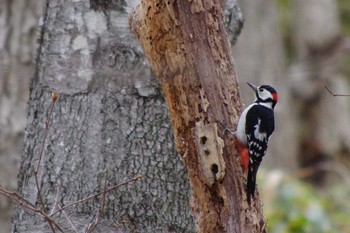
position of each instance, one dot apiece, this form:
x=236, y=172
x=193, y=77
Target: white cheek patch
x=265, y=95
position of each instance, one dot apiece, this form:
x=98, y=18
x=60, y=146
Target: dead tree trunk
x=188, y=49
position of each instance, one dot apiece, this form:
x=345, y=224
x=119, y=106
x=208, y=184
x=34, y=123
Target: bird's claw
x=226, y=129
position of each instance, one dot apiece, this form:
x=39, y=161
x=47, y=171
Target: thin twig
x=58, y=185
x=39, y=191
x=29, y=207
x=54, y=97
x=69, y=221
x=331, y=166
x=334, y=94
x=91, y=227
x=47, y=123
x=19, y=200
x=100, y=212
x=95, y=195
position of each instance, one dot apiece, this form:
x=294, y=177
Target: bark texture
x=187, y=46
x=18, y=33
x=109, y=123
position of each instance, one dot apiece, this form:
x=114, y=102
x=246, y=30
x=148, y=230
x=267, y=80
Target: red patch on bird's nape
x=275, y=97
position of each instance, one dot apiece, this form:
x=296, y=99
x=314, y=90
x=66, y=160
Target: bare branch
x=95, y=195
x=332, y=166
x=58, y=185
x=69, y=221
x=54, y=97
x=29, y=207
x=100, y=212
x=335, y=94
x=19, y=200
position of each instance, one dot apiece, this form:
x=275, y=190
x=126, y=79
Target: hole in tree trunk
x=214, y=168
x=204, y=139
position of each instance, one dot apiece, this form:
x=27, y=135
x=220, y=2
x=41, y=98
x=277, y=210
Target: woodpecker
x=255, y=126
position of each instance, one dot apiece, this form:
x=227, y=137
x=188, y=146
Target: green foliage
x=344, y=10
x=286, y=17
x=292, y=206
x=285, y=12
x=344, y=13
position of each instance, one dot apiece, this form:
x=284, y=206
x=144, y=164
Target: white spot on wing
x=257, y=134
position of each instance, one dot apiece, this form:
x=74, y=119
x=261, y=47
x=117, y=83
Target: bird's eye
x=261, y=90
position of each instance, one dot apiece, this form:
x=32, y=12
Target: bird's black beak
x=255, y=88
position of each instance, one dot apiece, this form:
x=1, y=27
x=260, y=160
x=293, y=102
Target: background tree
x=305, y=52
x=109, y=124
x=261, y=59
x=319, y=48
x=18, y=38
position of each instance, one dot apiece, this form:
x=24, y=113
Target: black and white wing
x=260, y=124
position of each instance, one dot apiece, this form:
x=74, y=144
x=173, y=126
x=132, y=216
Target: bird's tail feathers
x=251, y=181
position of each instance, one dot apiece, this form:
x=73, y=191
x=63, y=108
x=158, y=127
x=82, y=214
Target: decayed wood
x=187, y=47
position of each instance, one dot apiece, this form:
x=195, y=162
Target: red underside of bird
x=243, y=151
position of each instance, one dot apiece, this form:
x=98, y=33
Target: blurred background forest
x=297, y=46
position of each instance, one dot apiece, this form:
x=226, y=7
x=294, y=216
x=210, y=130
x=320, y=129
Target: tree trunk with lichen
x=187, y=47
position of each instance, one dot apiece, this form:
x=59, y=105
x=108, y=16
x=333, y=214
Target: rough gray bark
x=110, y=122
x=18, y=33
